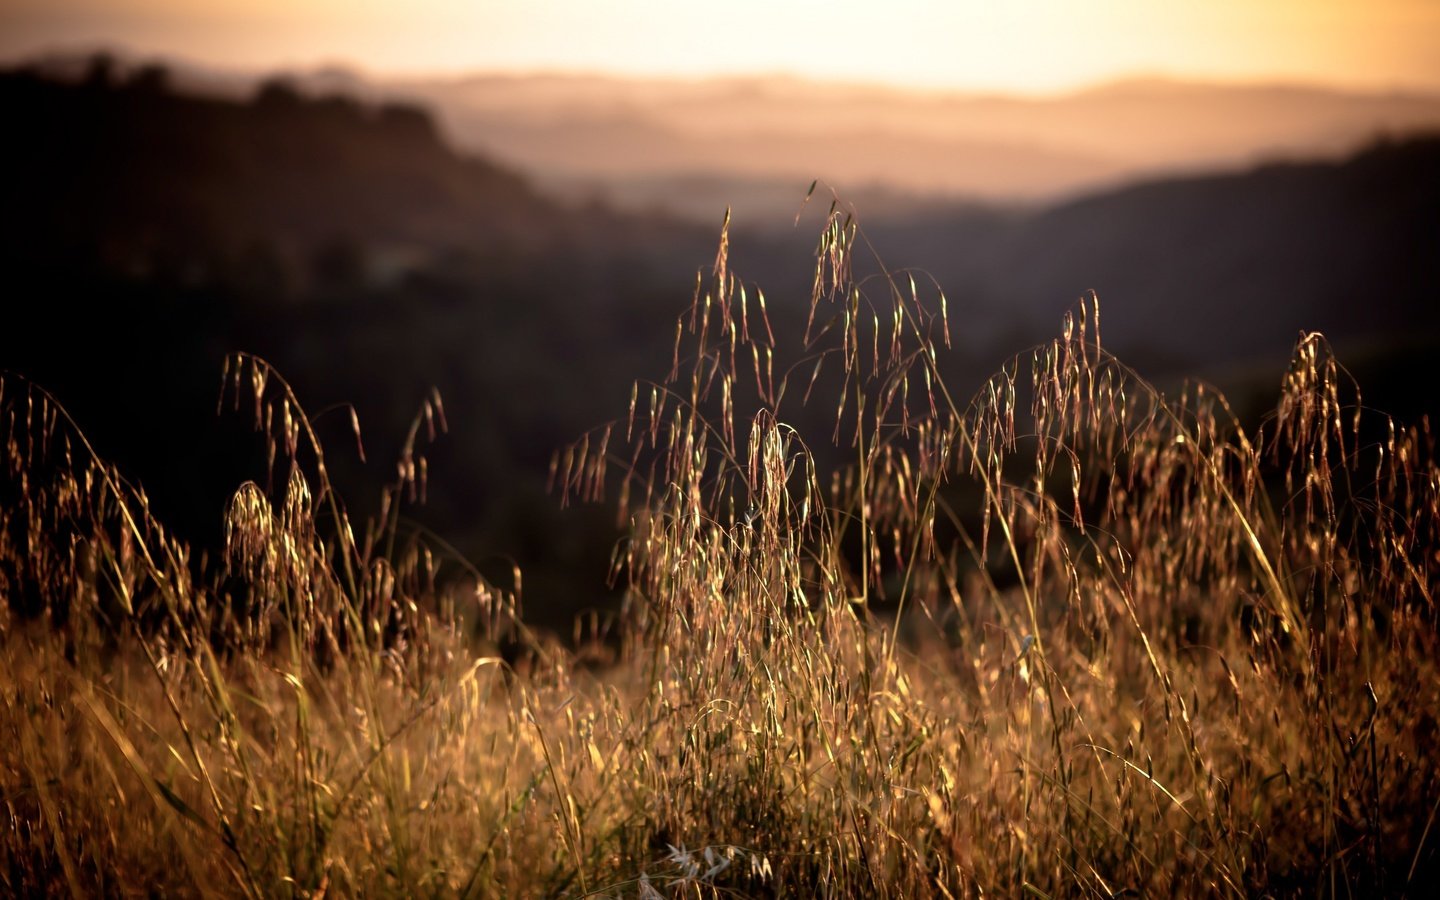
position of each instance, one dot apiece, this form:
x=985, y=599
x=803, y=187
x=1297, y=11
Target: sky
x=999, y=45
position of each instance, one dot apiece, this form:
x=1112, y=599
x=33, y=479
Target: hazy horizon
x=78, y=51
x=82, y=52
x=1041, y=47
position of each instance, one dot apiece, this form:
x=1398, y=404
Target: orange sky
x=1024, y=45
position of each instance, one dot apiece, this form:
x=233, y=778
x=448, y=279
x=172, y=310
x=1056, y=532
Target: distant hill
x=144, y=176
x=640, y=141
x=1198, y=272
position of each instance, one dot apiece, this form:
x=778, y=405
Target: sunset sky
x=1020, y=45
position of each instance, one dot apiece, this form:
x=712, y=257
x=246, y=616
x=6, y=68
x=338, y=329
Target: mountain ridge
x=755, y=129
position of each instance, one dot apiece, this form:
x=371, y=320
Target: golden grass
x=1068, y=637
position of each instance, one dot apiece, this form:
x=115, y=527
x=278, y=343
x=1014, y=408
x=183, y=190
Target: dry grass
x=1067, y=637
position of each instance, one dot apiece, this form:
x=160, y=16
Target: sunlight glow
x=1026, y=45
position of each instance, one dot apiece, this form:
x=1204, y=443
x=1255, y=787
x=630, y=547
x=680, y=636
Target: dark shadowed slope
x=1200, y=273
x=143, y=176
x=147, y=233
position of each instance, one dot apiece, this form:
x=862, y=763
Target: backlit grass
x=1061, y=635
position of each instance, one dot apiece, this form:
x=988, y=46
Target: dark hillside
x=1206, y=275
x=146, y=234
x=1218, y=268
x=150, y=179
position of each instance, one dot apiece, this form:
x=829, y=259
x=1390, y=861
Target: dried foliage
x=1069, y=636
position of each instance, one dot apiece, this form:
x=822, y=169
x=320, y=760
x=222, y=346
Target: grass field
x=1057, y=636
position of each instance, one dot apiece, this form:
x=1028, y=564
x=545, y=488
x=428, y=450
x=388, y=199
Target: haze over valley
x=755, y=143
